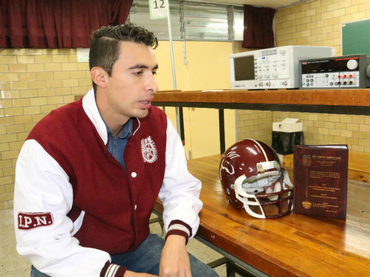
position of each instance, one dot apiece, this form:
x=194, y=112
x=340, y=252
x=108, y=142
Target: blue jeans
x=146, y=259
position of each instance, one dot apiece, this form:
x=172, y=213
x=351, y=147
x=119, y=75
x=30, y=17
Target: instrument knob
x=352, y=64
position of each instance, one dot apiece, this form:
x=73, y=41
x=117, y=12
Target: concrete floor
x=13, y=265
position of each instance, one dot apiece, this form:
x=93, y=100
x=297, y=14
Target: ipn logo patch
x=28, y=221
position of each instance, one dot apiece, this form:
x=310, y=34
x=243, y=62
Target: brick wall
x=319, y=23
x=254, y=124
x=32, y=83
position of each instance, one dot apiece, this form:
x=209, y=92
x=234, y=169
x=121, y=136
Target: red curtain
x=258, y=32
x=57, y=23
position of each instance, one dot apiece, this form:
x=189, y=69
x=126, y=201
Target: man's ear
x=99, y=76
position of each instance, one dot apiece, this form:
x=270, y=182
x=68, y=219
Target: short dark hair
x=105, y=44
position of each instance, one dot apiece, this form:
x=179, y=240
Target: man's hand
x=174, y=259
x=134, y=274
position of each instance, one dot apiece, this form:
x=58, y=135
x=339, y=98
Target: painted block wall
x=319, y=23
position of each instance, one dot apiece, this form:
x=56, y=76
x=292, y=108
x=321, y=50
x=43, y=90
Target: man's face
x=131, y=87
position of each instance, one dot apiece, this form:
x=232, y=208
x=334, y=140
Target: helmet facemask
x=265, y=196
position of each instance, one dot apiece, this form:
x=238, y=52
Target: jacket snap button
x=133, y=174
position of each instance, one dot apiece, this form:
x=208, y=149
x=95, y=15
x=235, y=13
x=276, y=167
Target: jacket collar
x=91, y=109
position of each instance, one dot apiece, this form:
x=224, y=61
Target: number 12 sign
x=158, y=9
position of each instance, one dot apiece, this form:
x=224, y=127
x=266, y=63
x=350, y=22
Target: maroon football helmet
x=252, y=177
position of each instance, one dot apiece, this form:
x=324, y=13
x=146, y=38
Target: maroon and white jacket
x=75, y=205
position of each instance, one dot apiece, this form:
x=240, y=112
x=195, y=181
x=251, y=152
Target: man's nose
x=152, y=84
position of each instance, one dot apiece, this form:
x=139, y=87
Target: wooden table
x=294, y=245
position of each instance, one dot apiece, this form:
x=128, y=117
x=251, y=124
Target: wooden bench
x=358, y=166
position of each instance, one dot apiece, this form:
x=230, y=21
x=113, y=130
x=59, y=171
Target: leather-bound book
x=320, y=177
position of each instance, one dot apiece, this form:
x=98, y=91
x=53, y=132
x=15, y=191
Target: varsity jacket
x=75, y=205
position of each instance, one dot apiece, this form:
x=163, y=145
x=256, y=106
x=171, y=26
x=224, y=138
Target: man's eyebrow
x=142, y=66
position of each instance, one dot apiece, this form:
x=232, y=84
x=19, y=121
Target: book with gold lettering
x=320, y=174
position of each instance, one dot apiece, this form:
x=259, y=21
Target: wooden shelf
x=341, y=101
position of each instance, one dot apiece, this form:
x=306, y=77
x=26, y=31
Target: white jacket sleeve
x=180, y=190
x=42, y=199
